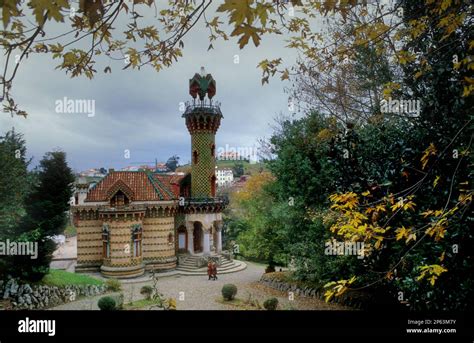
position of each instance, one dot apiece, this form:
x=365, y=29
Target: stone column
x=207, y=243
x=190, y=229
x=219, y=237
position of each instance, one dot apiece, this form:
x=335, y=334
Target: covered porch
x=202, y=234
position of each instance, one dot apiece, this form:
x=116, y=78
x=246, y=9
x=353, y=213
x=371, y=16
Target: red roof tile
x=170, y=182
x=139, y=186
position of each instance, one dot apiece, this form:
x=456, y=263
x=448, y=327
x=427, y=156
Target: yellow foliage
x=404, y=204
x=345, y=201
x=253, y=186
x=404, y=233
x=437, y=229
x=432, y=272
x=389, y=88
x=430, y=151
x=325, y=135
x=337, y=288
x=171, y=304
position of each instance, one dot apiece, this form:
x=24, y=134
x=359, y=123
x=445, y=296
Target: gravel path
x=201, y=294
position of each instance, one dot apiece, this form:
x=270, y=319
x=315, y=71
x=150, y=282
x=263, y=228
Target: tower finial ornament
x=202, y=84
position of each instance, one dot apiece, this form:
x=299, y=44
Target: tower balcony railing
x=222, y=200
x=207, y=106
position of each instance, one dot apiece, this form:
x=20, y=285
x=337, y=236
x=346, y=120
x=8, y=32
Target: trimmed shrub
x=229, y=291
x=147, y=291
x=270, y=304
x=270, y=269
x=106, y=304
x=113, y=285
x=118, y=301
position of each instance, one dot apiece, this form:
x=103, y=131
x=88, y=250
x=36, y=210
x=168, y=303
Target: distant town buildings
x=224, y=177
x=158, y=167
x=94, y=172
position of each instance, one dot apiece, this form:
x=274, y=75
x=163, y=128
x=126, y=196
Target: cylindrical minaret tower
x=203, y=118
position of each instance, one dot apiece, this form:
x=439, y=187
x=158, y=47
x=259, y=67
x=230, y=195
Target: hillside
x=249, y=168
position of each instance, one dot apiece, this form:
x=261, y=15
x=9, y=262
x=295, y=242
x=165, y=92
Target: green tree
x=238, y=169
x=46, y=213
x=172, y=163
x=14, y=186
x=13, y=181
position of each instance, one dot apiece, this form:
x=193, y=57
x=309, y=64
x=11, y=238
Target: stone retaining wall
x=18, y=296
x=270, y=280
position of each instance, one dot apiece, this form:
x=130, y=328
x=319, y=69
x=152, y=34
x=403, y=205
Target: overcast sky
x=139, y=110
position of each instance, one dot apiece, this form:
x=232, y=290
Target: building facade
x=133, y=221
x=225, y=177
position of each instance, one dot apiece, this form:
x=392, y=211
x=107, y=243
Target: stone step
x=193, y=266
x=224, y=264
x=238, y=266
x=204, y=270
x=192, y=261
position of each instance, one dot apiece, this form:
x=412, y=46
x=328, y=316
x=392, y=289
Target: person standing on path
x=214, y=271
x=209, y=270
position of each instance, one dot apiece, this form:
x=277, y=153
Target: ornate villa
x=132, y=221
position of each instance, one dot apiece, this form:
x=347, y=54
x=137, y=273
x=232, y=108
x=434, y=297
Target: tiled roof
x=169, y=183
x=139, y=186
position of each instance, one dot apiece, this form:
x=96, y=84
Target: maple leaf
x=262, y=11
x=239, y=10
x=246, y=31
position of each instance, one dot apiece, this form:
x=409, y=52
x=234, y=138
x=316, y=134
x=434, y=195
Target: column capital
x=219, y=225
x=206, y=228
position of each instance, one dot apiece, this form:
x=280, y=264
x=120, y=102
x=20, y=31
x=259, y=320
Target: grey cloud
x=139, y=110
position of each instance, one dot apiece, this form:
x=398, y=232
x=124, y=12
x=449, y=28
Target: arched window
x=119, y=199
x=213, y=150
x=170, y=239
x=137, y=240
x=105, y=241
x=195, y=156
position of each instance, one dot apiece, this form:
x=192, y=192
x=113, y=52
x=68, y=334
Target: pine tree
x=46, y=213
x=14, y=186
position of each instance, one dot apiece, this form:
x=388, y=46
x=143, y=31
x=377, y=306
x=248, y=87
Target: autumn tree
x=89, y=40
x=415, y=229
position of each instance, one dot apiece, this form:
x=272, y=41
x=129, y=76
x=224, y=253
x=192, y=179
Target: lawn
x=70, y=231
x=57, y=277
